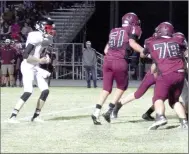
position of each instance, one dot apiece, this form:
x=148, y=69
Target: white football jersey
x=40, y=42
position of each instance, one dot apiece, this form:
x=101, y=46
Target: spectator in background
x=33, y=18
x=28, y=21
x=5, y=30
x=7, y=15
x=28, y=4
x=15, y=28
x=89, y=63
x=17, y=74
x=8, y=55
x=19, y=15
x=25, y=30
x=1, y=20
x=28, y=13
x=21, y=8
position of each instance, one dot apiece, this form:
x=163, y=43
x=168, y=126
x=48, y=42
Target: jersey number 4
x=116, y=39
x=170, y=47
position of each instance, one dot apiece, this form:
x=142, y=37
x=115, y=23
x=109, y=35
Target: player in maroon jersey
x=148, y=81
x=184, y=94
x=115, y=67
x=168, y=55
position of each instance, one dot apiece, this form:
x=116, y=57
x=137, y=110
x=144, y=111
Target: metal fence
x=68, y=63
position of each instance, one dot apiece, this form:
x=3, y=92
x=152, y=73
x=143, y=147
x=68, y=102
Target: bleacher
x=69, y=21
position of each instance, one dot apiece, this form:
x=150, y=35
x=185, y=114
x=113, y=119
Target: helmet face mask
x=49, y=29
x=46, y=26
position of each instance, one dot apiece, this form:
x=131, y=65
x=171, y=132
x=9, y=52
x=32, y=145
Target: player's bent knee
x=173, y=102
x=44, y=95
x=122, y=88
x=108, y=90
x=137, y=95
x=154, y=99
x=25, y=96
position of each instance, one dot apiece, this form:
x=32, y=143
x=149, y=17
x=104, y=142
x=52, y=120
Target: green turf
x=68, y=126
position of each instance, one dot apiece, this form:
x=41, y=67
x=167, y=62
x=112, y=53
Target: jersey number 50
x=116, y=39
x=170, y=47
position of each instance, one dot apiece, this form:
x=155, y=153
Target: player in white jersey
x=36, y=42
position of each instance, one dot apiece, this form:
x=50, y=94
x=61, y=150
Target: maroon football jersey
x=7, y=54
x=119, y=41
x=167, y=53
x=148, y=40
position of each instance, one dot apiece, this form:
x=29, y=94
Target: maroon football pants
x=169, y=87
x=117, y=70
x=148, y=81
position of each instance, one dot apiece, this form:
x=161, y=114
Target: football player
x=167, y=52
x=146, y=83
x=184, y=94
x=36, y=42
x=115, y=67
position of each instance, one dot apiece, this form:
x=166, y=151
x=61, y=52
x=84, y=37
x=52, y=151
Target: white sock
x=19, y=104
x=97, y=112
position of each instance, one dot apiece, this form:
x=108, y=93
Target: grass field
x=69, y=128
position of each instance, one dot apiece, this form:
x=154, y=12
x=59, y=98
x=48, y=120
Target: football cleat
x=147, y=117
x=116, y=109
x=37, y=119
x=160, y=122
x=114, y=114
x=96, y=120
x=107, y=116
x=184, y=126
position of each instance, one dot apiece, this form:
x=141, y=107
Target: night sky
x=150, y=14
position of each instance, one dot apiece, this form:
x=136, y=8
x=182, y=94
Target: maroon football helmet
x=130, y=19
x=178, y=34
x=165, y=29
x=181, y=35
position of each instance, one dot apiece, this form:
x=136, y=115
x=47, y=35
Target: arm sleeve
x=28, y=50
x=133, y=36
